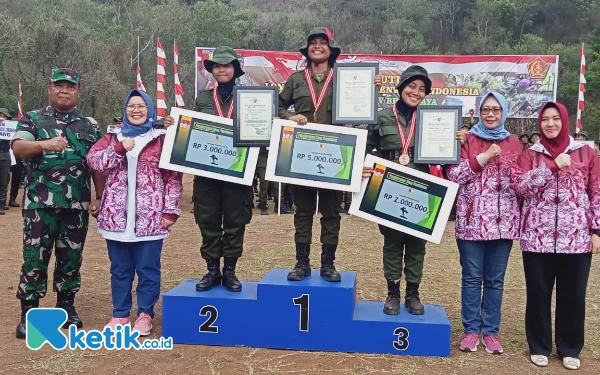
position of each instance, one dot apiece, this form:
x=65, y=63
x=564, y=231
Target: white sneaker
x=539, y=360
x=571, y=363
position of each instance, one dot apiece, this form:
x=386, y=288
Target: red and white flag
x=161, y=103
x=582, y=83
x=20, y=102
x=139, y=84
x=178, y=88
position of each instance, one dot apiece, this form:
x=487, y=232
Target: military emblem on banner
x=538, y=68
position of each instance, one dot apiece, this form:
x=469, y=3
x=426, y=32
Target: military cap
x=322, y=31
x=6, y=112
x=63, y=74
x=224, y=55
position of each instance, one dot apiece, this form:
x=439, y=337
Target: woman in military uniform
x=393, y=137
x=221, y=209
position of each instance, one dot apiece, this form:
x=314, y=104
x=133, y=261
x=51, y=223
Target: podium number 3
x=401, y=342
x=212, y=314
x=303, y=302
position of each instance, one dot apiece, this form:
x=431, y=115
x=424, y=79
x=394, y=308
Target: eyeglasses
x=137, y=107
x=495, y=110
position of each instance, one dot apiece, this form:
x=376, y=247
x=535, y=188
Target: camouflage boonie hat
x=224, y=55
x=6, y=113
x=584, y=133
x=63, y=74
x=322, y=31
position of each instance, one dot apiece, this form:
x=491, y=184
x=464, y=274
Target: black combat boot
x=392, y=303
x=230, y=280
x=212, y=278
x=411, y=301
x=66, y=302
x=13, y=203
x=302, y=268
x=264, y=210
x=328, y=271
x=25, y=306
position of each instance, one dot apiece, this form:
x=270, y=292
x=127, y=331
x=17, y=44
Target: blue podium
x=307, y=315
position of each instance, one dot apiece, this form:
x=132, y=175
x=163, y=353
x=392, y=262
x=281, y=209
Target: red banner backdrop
x=527, y=81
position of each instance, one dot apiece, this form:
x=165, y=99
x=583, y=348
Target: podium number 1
x=303, y=302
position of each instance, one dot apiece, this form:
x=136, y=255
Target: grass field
x=269, y=244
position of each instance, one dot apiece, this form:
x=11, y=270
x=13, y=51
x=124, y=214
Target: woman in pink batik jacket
x=487, y=222
x=559, y=180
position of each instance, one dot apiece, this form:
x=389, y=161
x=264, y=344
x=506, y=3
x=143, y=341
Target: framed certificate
x=316, y=155
x=405, y=199
x=355, y=95
x=435, y=136
x=254, y=109
x=202, y=145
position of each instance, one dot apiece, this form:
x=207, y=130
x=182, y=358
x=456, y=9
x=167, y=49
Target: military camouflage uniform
x=57, y=196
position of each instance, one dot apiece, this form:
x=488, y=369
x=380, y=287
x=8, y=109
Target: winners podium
x=312, y=314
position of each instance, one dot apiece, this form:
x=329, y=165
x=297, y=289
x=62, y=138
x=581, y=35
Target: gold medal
x=404, y=159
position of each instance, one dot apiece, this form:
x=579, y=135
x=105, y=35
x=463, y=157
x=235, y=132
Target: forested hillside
x=99, y=38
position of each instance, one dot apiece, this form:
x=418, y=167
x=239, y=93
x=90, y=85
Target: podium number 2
x=303, y=302
x=212, y=314
x=401, y=342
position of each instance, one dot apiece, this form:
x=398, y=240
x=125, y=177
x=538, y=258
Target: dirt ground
x=269, y=244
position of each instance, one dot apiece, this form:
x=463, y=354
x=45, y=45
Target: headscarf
x=129, y=130
x=559, y=144
x=499, y=133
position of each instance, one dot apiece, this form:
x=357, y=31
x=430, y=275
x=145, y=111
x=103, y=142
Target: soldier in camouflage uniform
x=385, y=136
x=54, y=142
x=321, y=53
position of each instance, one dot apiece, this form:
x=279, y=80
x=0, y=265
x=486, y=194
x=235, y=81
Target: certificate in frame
x=202, y=145
x=405, y=199
x=253, y=113
x=355, y=98
x=435, y=136
x=316, y=155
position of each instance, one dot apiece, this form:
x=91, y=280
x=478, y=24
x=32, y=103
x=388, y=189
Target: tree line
x=99, y=38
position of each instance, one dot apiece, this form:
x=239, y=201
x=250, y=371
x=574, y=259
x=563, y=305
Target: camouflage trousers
x=65, y=230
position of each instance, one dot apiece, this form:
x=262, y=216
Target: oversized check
x=316, y=155
x=405, y=199
x=202, y=145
